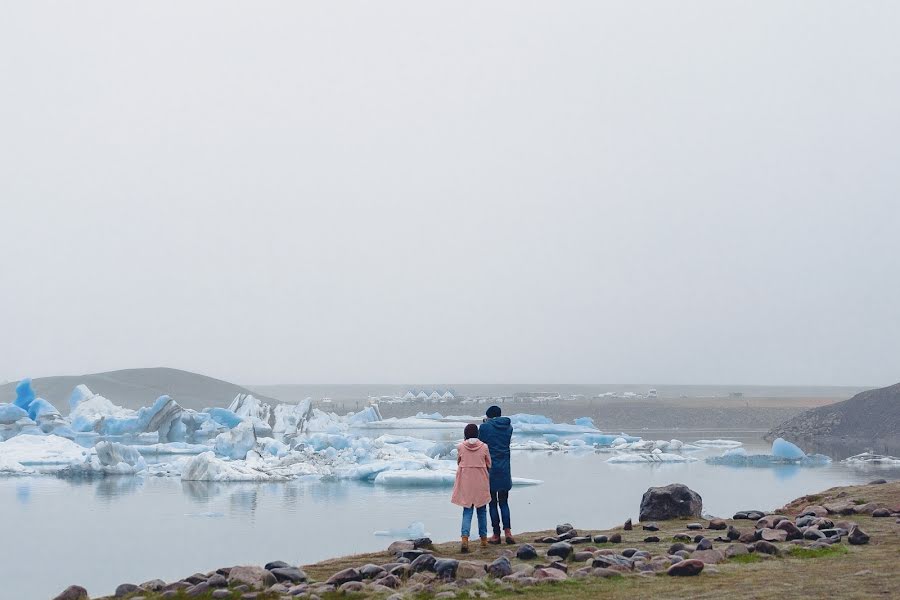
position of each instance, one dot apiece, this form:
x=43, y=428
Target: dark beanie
x=471, y=431
x=493, y=412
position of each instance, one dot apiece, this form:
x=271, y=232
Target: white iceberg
x=414, y=531
x=718, y=443
x=42, y=450
x=657, y=456
x=870, y=459
x=235, y=443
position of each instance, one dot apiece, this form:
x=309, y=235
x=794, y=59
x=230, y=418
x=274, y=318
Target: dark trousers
x=500, y=498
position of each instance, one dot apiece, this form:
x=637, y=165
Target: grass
x=799, y=552
x=745, y=559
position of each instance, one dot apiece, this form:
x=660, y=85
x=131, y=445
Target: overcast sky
x=668, y=192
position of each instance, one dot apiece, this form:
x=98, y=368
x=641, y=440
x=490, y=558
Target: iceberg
x=657, y=456
x=114, y=457
x=11, y=467
x=585, y=422
x=10, y=413
x=224, y=417
x=783, y=453
x=292, y=419
x=870, y=459
x=207, y=467
x=718, y=443
x=91, y=409
x=784, y=449
x=235, y=443
x=24, y=394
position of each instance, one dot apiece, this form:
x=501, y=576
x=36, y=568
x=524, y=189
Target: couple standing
x=483, y=477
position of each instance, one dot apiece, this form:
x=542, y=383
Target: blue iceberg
x=784, y=449
x=24, y=394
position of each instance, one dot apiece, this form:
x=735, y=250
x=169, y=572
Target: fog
x=691, y=192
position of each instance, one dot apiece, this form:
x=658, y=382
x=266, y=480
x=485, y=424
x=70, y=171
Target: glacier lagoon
x=101, y=531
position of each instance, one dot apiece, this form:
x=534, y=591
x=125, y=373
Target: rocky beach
x=841, y=542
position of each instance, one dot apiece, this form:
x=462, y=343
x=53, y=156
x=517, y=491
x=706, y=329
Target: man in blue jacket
x=496, y=432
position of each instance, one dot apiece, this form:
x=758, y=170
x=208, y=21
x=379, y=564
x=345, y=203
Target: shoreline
x=595, y=565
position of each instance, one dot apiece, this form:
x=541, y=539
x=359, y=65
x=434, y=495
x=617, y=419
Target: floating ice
x=413, y=531
x=870, y=459
x=657, y=456
x=11, y=467
x=784, y=449
x=10, y=413
x=170, y=448
x=585, y=422
x=718, y=443
x=235, y=443
x=24, y=394
x=207, y=467
x=114, y=457
x=291, y=419
x=92, y=408
x=224, y=417
x=42, y=450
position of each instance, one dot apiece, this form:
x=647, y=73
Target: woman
x=472, y=489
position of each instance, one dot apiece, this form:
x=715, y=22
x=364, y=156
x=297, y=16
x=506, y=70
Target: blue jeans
x=467, y=520
x=501, y=498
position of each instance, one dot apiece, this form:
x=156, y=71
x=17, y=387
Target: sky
x=464, y=192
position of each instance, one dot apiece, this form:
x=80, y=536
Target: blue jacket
x=497, y=433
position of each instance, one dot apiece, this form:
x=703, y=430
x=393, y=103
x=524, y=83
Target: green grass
x=860, y=501
x=744, y=559
x=798, y=552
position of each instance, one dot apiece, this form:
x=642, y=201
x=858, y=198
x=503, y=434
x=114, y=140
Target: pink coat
x=472, y=487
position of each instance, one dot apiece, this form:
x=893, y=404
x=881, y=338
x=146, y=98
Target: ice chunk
x=10, y=413
x=738, y=457
x=11, y=467
x=207, y=467
x=78, y=395
x=657, y=456
x=718, y=443
x=525, y=418
x=119, y=458
x=273, y=447
x=870, y=459
x=42, y=450
x=39, y=407
x=585, y=422
x=292, y=419
x=413, y=531
x=24, y=394
x=89, y=411
x=170, y=448
x=235, y=443
x=603, y=439
x=224, y=417
x=248, y=405
x=784, y=449
x=406, y=423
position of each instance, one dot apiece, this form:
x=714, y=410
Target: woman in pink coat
x=472, y=489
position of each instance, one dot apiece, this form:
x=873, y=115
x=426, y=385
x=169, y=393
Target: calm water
x=124, y=529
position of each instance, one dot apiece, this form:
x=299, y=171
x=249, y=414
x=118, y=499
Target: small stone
x=651, y=539
x=881, y=512
x=681, y=537
x=125, y=589
x=650, y=527
x=73, y=592
x=615, y=538
x=694, y=526
x=292, y=574
x=676, y=547
x=600, y=539
x=878, y=482
x=717, y=524
x=446, y=568
x=564, y=528
x=423, y=563
x=704, y=544
x=251, y=575
x=628, y=526
x=526, y=552
x=858, y=537
x=686, y=568
x=764, y=547
x=197, y=590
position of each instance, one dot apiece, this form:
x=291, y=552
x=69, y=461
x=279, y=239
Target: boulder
x=704, y=544
x=858, y=537
x=733, y=534
x=500, y=568
x=560, y=549
x=526, y=552
x=601, y=539
x=199, y=589
x=292, y=574
x=694, y=526
x=709, y=557
x=686, y=568
x=253, y=576
x=670, y=502
x=650, y=539
x=814, y=510
x=276, y=564
x=401, y=547
x=650, y=527
x=125, y=589
x=736, y=550
x=370, y=571
x=881, y=512
x=564, y=528
x=769, y=521
x=551, y=574
x=773, y=535
x=446, y=568
x=717, y=524
x=217, y=581
x=424, y=563
x=793, y=532
x=765, y=547
x=73, y=592
x=342, y=577
x=628, y=526
x=615, y=538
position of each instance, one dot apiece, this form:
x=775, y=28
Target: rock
x=342, y=577
x=197, y=590
x=499, y=568
x=650, y=527
x=878, y=482
x=813, y=534
x=881, y=512
x=424, y=563
x=704, y=544
x=732, y=533
x=560, y=549
x=736, y=550
x=686, y=568
x=526, y=552
x=370, y=571
x=773, y=535
x=565, y=527
x=765, y=547
x=582, y=556
x=125, y=589
x=615, y=538
x=400, y=571
x=694, y=526
x=582, y=539
x=697, y=538
x=677, y=546
x=709, y=557
x=814, y=510
x=446, y=568
x=769, y=521
x=602, y=572
x=292, y=574
x=681, y=537
x=629, y=552
x=717, y=524
x=73, y=592
x=628, y=526
x=669, y=502
x=220, y=594
x=752, y=515
x=747, y=537
x=250, y=575
x=551, y=574
x=841, y=508
x=858, y=537
x=423, y=542
x=793, y=532
x=469, y=570
x=651, y=539
x=154, y=585
x=448, y=595
x=351, y=586
x=276, y=564
x=401, y=547
x=600, y=539
x=572, y=533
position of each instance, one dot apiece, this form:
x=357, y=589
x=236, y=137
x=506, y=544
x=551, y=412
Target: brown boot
x=508, y=534
x=496, y=538
x=464, y=546
x=484, y=541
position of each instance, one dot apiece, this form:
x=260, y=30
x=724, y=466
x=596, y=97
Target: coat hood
x=471, y=445
x=499, y=423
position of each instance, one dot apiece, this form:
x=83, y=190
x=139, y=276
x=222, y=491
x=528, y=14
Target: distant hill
x=868, y=417
x=134, y=388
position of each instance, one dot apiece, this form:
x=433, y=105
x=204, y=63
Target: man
x=496, y=432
